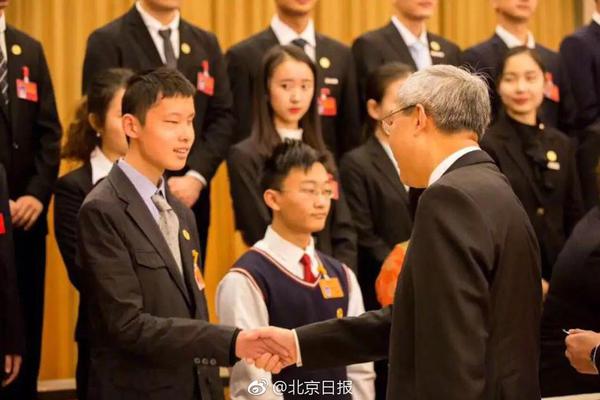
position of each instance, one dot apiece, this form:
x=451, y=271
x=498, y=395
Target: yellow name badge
x=331, y=288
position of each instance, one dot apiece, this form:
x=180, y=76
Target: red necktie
x=308, y=275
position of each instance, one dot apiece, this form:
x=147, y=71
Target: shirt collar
x=3, y=23
x=512, y=41
x=409, y=38
x=285, y=34
x=143, y=185
x=294, y=134
x=287, y=253
x=101, y=165
x=154, y=24
x=596, y=17
x=447, y=163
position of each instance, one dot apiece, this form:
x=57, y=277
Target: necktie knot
x=165, y=34
x=160, y=202
x=307, y=264
x=299, y=42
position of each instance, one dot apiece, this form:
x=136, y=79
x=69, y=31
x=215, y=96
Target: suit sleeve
x=578, y=61
x=567, y=108
x=574, y=208
x=348, y=124
x=48, y=132
x=212, y=145
x=67, y=201
x=343, y=234
x=109, y=278
x=346, y=341
x=452, y=254
x=241, y=87
x=353, y=182
x=251, y=214
x=100, y=54
x=11, y=323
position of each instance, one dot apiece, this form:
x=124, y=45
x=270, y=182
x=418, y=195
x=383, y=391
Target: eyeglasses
x=314, y=193
x=388, y=120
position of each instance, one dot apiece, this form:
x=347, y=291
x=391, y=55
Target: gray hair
x=454, y=98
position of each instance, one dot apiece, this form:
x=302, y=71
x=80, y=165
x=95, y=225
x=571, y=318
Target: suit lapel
x=139, y=213
x=191, y=63
x=384, y=165
x=141, y=36
x=14, y=72
x=397, y=43
x=436, y=60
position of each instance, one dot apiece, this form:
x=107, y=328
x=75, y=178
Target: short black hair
x=144, y=89
x=286, y=156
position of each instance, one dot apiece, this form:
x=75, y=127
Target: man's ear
x=131, y=126
x=421, y=120
x=373, y=109
x=271, y=198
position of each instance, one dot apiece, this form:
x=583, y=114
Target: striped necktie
x=4, y=77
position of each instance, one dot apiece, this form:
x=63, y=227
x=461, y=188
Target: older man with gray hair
x=465, y=319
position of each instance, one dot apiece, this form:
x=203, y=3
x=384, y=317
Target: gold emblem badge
x=324, y=62
x=185, y=48
x=435, y=46
x=186, y=234
x=16, y=49
x=551, y=155
x=340, y=313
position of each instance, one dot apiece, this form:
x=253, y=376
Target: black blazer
x=69, y=194
x=30, y=131
x=385, y=45
x=11, y=323
x=466, y=314
x=486, y=58
x=553, y=214
x=244, y=60
x=126, y=42
x=580, y=55
x=379, y=205
x=150, y=337
x=572, y=302
x=252, y=216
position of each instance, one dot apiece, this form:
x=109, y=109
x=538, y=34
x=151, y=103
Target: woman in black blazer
x=97, y=140
x=538, y=160
x=285, y=107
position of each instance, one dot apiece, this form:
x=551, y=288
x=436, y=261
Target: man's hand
x=25, y=211
x=278, y=338
x=12, y=366
x=579, y=346
x=186, y=188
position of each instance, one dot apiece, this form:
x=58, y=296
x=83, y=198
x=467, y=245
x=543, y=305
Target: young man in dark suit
x=30, y=151
x=514, y=17
x=140, y=271
x=152, y=34
x=405, y=39
x=336, y=80
x=580, y=54
x=465, y=319
x=11, y=335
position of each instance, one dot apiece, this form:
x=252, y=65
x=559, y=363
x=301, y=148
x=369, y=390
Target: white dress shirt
x=240, y=303
x=155, y=25
x=285, y=35
x=418, y=46
x=101, y=165
x=596, y=17
x=512, y=41
x=287, y=133
x=3, y=34
x=390, y=154
x=447, y=163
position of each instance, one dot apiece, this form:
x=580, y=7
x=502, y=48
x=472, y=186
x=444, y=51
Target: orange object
x=385, y=285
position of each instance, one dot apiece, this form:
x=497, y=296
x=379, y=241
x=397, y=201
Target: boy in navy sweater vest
x=283, y=281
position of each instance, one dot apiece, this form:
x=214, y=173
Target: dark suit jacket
x=572, y=302
x=553, y=214
x=150, y=336
x=385, y=45
x=244, y=61
x=580, y=55
x=465, y=319
x=126, y=42
x=252, y=216
x=29, y=131
x=379, y=205
x=486, y=58
x=69, y=194
x=11, y=324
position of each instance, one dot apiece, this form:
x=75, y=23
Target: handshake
x=270, y=348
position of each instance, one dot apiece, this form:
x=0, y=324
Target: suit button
x=213, y=362
x=196, y=361
x=15, y=145
x=205, y=361
x=540, y=211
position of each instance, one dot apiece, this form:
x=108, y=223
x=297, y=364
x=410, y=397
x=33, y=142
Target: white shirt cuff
x=196, y=175
x=298, y=355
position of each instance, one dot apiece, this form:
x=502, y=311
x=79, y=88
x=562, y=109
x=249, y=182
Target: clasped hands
x=270, y=348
